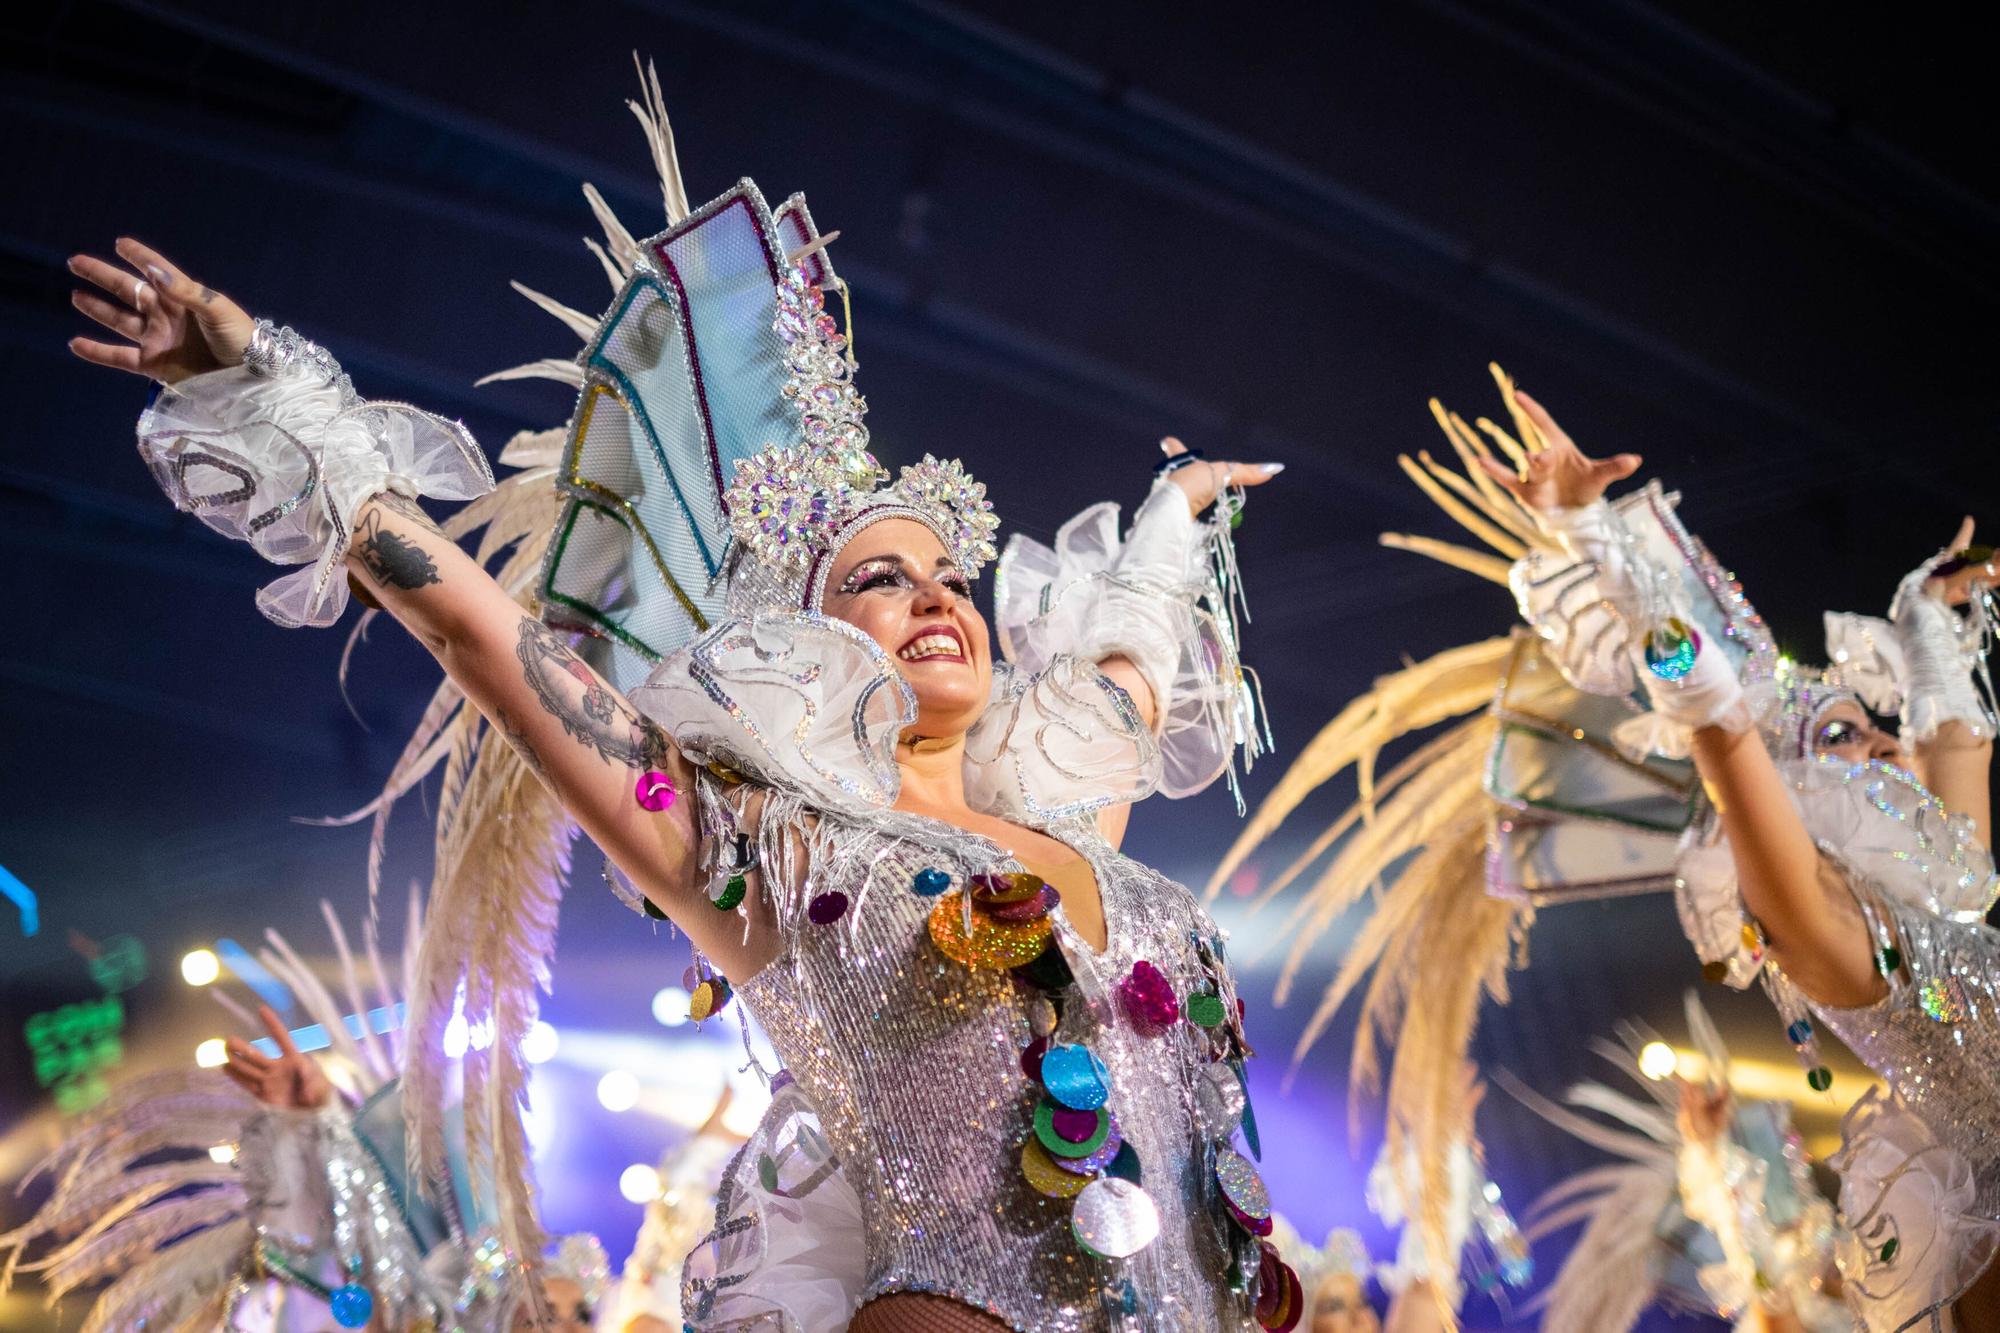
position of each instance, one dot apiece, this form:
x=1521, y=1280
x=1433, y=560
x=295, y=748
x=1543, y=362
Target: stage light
x=211, y=1054
x=670, y=1006
x=1657, y=1060
x=639, y=1183
x=200, y=966
x=224, y=1153
x=618, y=1090
x=539, y=1046
x=456, y=1037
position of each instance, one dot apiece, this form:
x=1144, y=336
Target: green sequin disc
x=1205, y=1009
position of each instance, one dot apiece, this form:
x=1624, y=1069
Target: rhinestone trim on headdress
x=792, y=504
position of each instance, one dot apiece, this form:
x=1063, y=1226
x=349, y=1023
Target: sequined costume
x=1047, y=1133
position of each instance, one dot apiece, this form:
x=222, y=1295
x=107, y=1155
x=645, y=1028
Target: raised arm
x=584, y=739
x=1812, y=926
x=1949, y=725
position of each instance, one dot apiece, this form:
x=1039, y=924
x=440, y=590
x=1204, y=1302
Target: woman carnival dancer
x=898, y=853
x=1648, y=736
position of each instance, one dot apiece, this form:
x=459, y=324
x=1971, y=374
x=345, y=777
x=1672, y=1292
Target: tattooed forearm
x=519, y=740
x=589, y=710
x=407, y=507
x=390, y=559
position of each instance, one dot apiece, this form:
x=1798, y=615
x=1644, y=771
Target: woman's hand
x=1970, y=568
x=172, y=326
x=1202, y=482
x=1704, y=1112
x=1556, y=474
x=292, y=1082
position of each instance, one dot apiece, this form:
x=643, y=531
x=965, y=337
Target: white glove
x=1941, y=652
x=279, y=453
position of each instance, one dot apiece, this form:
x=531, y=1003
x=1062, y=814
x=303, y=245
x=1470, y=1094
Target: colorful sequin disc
x=1045, y=1177
x=827, y=908
x=930, y=882
x=1205, y=1009
x=1114, y=1218
x=1076, y=1077
x=655, y=790
x=1242, y=1188
x=352, y=1305
x=1054, y=1126
x=991, y=945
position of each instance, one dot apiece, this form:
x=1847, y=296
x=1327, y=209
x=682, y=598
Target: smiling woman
x=900, y=852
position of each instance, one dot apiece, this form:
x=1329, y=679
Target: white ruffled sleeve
x=1153, y=597
x=283, y=463
x=797, y=701
x=1057, y=744
x=1911, y=1238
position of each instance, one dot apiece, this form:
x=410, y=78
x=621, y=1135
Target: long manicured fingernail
x=1271, y=469
x=161, y=278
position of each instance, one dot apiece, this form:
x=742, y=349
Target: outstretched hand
x=1968, y=569
x=1704, y=1111
x=293, y=1081
x=1202, y=482
x=1556, y=474
x=170, y=326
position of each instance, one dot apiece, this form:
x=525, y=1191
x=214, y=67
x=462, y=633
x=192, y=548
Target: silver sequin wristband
x=276, y=351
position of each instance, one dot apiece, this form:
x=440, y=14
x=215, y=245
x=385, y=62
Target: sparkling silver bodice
x=914, y=1064
x=1935, y=1037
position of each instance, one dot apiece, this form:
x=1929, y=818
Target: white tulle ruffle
x=1146, y=597
x=283, y=464
x=787, y=1253
x=1909, y=1241
x=811, y=705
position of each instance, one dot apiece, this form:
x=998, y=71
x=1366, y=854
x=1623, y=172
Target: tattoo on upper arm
x=390, y=559
x=589, y=710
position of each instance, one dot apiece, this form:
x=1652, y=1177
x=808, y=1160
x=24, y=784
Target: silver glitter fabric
x=914, y=1064
x=1935, y=1038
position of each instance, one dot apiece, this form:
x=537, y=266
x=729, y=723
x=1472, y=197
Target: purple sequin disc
x=827, y=908
x=1073, y=1126
x=1090, y=1165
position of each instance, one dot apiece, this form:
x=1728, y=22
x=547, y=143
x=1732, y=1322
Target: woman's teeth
x=930, y=645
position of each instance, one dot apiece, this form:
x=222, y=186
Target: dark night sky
x=1755, y=244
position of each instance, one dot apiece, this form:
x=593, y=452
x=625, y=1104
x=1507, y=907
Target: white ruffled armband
x=1160, y=598
x=279, y=452
x=1607, y=613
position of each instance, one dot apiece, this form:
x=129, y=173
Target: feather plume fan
x=171, y=1237
x=1415, y=843
x=168, y=1236
x=1617, y=1264
x=502, y=841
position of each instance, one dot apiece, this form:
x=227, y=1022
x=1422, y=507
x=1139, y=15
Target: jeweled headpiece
x=717, y=458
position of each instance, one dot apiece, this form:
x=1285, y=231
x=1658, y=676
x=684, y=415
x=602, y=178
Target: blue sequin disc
x=1076, y=1078
x=930, y=882
x=352, y=1306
